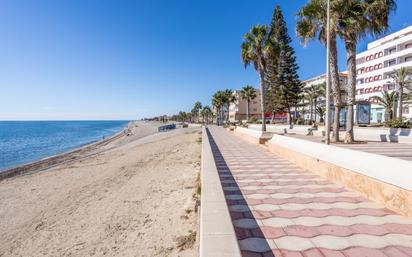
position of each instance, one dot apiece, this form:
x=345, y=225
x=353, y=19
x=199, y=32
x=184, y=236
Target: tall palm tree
x=253, y=51
x=312, y=24
x=387, y=100
x=357, y=18
x=248, y=93
x=228, y=98
x=196, y=109
x=218, y=102
x=313, y=93
x=321, y=110
x=206, y=112
x=310, y=95
x=402, y=78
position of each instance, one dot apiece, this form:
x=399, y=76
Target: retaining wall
x=380, y=178
x=217, y=235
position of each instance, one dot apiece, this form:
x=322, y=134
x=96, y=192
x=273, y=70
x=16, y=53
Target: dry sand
x=129, y=197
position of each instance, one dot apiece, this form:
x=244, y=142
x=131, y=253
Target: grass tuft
x=187, y=241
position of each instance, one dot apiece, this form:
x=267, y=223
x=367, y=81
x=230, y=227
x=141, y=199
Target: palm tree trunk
x=316, y=105
x=335, y=82
x=351, y=64
x=262, y=97
x=290, y=118
x=247, y=110
x=387, y=115
x=218, y=116
x=400, y=101
x=311, y=111
x=335, y=136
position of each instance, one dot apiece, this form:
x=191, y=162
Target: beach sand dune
x=132, y=198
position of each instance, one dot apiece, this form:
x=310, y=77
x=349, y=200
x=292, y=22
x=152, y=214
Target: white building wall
x=377, y=63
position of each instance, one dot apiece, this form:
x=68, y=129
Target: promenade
x=279, y=209
x=394, y=150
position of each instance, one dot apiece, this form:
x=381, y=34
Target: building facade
x=237, y=110
x=306, y=110
x=376, y=65
x=375, y=68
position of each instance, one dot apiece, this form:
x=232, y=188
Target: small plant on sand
x=186, y=242
x=198, y=191
x=188, y=211
x=199, y=140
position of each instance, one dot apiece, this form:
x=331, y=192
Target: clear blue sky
x=110, y=59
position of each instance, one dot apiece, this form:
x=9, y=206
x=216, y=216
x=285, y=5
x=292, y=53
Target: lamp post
x=327, y=116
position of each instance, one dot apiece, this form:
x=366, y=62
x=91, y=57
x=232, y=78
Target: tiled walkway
x=279, y=209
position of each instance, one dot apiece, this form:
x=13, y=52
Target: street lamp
x=327, y=117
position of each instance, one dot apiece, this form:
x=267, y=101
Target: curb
x=217, y=235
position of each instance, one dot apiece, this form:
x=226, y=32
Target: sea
x=23, y=142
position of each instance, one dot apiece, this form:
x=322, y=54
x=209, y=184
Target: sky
x=130, y=59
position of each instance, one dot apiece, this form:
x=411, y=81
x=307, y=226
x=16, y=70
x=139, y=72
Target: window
x=408, y=45
x=392, y=62
x=379, y=117
x=409, y=58
x=360, y=60
x=392, y=50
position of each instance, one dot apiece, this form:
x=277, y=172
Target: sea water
x=27, y=141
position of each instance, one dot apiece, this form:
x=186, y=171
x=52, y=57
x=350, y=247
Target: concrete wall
x=251, y=135
x=380, y=178
x=217, y=235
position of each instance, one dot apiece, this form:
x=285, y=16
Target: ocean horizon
x=23, y=142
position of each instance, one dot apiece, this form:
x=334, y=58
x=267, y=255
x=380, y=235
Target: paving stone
x=281, y=210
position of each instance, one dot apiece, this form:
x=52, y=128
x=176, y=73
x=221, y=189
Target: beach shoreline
x=70, y=155
x=129, y=196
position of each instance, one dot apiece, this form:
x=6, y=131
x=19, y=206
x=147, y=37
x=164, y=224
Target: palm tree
x=248, y=93
x=357, y=18
x=218, y=102
x=253, y=51
x=321, y=110
x=205, y=112
x=313, y=92
x=402, y=79
x=312, y=24
x=196, y=109
x=228, y=98
x=387, y=100
x=182, y=116
x=309, y=95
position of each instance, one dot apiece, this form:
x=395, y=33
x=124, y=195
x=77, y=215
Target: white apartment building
x=377, y=63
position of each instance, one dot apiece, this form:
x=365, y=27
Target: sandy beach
x=130, y=196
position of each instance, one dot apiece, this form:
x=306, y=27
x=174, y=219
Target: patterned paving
x=279, y=209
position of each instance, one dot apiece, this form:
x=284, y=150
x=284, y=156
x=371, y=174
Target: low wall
x=217, y=235
x=366, y=134
x=250, y=135
x=380, y=178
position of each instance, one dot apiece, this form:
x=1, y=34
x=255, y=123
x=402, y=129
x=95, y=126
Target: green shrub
x=253, y=120
x=398, y=124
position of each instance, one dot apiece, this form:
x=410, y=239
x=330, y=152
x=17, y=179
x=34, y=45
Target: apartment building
x=237, y=110
x=343, y=77
x=376, y=65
